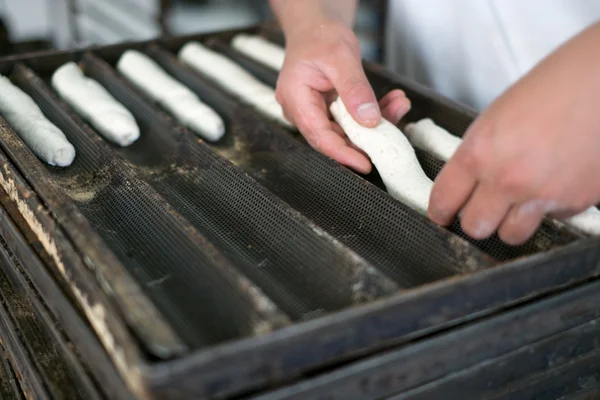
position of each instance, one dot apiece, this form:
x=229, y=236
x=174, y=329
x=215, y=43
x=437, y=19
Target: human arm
x=299, y=15
x=323, y=57
x=534, y=152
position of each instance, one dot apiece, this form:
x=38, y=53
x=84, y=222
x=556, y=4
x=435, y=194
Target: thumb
x=351, y=84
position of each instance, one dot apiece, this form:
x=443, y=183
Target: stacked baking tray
x=179, y=269
x=39, y=360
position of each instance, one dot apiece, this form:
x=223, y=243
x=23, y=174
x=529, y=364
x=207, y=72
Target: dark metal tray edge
x=58, y=305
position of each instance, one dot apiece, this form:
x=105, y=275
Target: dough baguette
x=259, y=49
x=42, y=137
x=96, y=105
x=429, y=137
x=233, y=78
x=392, y=155
x=180, y=101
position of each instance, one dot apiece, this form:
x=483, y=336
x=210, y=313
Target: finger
x=288, y=116
x=521, y=222
x=330, y=97
x=338, y=129
x=350, y=82
x=564, y=214
x=390, y=97
x=309, y=111
x=451, y=189
x=396, y=109
x=337, y=148
x=305, y=108
x=484, y=212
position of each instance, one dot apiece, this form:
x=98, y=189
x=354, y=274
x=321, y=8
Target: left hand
x=534, y=152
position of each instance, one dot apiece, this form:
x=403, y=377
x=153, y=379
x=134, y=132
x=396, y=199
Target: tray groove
x=36, y=283
x=46, y=350
x=344, y=205
x=9, y=385
x=249, y=223
x=172, y=265
x=547, y=237
x=81, y=283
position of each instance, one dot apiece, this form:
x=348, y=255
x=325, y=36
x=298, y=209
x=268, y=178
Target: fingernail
x=483, y=230
x=368, y=112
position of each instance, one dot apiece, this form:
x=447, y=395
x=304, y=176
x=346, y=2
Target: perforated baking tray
x=215, y=270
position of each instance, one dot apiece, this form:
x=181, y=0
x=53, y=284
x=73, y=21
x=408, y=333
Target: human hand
x=534, y=152
x=319, y=62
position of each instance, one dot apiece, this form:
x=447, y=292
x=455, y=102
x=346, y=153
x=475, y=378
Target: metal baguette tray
x=39, y=360
x=219, y=270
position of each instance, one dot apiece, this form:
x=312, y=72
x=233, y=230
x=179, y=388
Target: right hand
x=319, y=62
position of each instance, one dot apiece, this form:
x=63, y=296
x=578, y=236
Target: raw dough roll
x=180, y=101
x=96, y=105
x=233, y=78
x=428, y=136
x=42, y=137
x=587, y=221
x=393, y=156
x=259, y=49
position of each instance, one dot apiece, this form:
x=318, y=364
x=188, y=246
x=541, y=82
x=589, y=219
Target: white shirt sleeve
x=472, y=50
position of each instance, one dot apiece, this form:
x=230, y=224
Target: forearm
x=581, y=55
x=573, y=66
x=296, y=16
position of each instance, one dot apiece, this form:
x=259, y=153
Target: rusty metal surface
x=36, y=284
x=388, y=323
x=579, y=379
x=138, y=310
x=499, y=357
x=202, y=185
x=9, y=385
x=584, y=394
x=123, y=211
x=68, y=265
x=45, y=349
x=20, y=359
x=447, y=280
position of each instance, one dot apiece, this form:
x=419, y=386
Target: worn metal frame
x=547, y=348
x=26, y=262
x=46, y=365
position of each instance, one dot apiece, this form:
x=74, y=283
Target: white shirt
x=472, y=50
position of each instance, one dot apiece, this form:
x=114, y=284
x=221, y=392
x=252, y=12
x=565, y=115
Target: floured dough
x=96, y=105
x=233, y=78
x=42, y=137
x=428, y=136
x=180, y=101
x=393, y=156
x=587, y=221
x=259, y=49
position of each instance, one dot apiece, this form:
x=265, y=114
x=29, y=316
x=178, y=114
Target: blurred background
x=30, y=25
